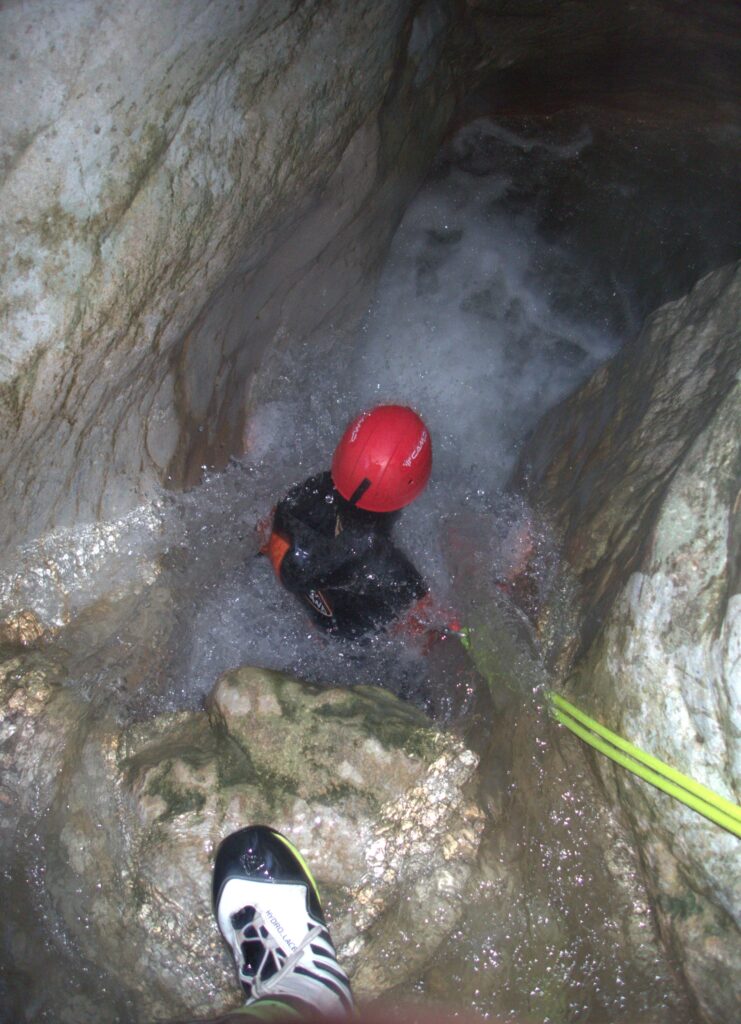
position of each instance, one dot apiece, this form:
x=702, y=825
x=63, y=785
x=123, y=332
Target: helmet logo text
x=420, y=445
x=358, y=425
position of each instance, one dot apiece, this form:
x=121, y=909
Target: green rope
x=464, y=635
x=692, y=794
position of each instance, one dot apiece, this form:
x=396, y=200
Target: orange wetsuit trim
x=276, y=549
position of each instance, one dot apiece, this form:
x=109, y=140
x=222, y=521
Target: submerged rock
x=371, y=794
x=111, y=850
x=646, y=489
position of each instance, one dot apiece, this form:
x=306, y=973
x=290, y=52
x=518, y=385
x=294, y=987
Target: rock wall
x=602, y=460
x=641, y=471
x=185, y=184
x=658, y=58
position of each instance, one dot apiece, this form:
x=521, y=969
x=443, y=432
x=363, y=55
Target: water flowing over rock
x=194, y=190
x=641, y=470
x=166, y=169
x=372, y=795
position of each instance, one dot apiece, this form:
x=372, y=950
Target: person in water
x=331, y=541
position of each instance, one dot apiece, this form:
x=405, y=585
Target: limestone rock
x=21, y=630
x=367, y=790
x=423, y=846
x=40, y=720
x=646, y=490
x=665, y=674
x=43, y=725
x=558, y=887
x=601, y=461
x=185, y=184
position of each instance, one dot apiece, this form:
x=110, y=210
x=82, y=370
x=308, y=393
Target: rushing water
x=500, y=295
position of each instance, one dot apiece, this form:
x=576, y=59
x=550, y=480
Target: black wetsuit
x=341, y=560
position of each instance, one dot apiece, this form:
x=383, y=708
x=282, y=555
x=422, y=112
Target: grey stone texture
x=185, y=184
x=602, y=460
x=373, y=796
x=641, y=470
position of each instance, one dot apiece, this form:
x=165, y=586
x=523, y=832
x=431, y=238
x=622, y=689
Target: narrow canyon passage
x=229, y=227
x=495, y=303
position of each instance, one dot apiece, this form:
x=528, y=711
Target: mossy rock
x=373, y=795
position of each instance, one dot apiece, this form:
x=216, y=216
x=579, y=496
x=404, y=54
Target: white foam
x=464, y=328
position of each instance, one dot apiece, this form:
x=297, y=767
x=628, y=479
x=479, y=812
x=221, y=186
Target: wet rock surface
x=646, y=488
x=371, y=794
x=188, y=190
x=435, y=870
x=38, y=718
x=600, y=462
x=560, y=924
x=166, y=170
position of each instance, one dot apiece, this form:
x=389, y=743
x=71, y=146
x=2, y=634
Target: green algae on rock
x=373, y=795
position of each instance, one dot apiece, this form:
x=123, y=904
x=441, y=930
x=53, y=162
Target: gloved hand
x=428, y=622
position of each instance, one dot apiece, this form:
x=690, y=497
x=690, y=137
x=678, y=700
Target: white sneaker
x=267, y=907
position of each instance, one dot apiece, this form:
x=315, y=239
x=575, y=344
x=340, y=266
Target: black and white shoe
x=267, y=907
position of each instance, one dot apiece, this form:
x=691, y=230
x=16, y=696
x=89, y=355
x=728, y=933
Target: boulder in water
x=371, y=794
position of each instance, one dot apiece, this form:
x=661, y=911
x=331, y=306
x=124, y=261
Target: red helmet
x=384, y=459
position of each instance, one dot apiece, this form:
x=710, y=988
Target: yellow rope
x=692, y=794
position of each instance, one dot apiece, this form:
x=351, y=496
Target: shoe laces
x=275, y=963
